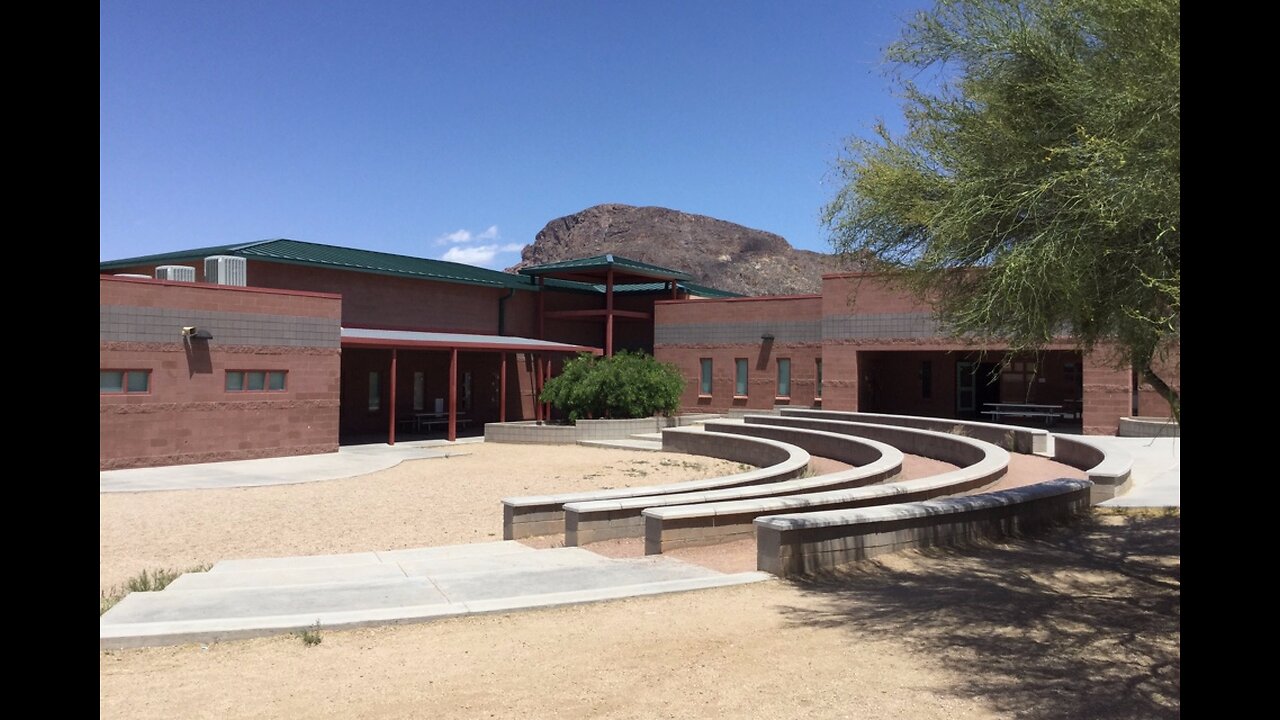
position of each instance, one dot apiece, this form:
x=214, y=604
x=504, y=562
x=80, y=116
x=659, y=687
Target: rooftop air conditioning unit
x=225, y=270
x=176, y=273
x=133, y=275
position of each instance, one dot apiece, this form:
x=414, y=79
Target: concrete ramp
x=247, y=598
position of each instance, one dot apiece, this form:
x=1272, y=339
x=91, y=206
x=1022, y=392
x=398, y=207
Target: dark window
x=784, y=377
x=124, y=381
x=817, y=390
x=740, y=377
x=926, y=379
x=256, y=380
x=705, y=387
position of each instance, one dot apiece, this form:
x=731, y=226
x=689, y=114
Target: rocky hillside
x=716, y=253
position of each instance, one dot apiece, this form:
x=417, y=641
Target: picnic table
x=419, y=420
x=1050, y=413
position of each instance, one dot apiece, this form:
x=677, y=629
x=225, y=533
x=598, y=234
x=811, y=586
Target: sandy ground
x=442, y=501
x=1082, y=622
x=418, y=503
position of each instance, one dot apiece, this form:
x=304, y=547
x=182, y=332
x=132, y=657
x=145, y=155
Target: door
x=966, y=395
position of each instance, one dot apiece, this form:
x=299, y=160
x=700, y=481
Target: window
x=466, y=392
x=784, y=377
x=817, y=388
x=926, y=379
x=256, y=380
x=705, y=387
x=740, y=377
x=419, y=391
x=124, y=381
x=375, y=394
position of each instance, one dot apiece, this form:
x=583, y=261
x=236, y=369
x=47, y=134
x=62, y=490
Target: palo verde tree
x=1034, y=193
x=627, y=385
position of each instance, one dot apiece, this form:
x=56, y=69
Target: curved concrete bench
x=586, y=522
x=1109, y=468
x=803, y=544
x=1013, y=438
x=532, y=515
x=981, y=464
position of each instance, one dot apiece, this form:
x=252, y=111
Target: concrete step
x=408, y=567
x=654, y=436
x=289, y=594
x=624, y=444
x=472, y=550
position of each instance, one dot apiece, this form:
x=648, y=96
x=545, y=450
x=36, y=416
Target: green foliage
x=1042, y=147
x=627, y=385
x=311, y=636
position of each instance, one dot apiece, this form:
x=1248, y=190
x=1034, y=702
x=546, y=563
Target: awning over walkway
x=393, y=340
x=414, y=340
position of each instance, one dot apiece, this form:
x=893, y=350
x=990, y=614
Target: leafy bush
x=627, y=385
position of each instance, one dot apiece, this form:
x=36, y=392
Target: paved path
x=349, y=461
x=246, y=598
x=1156, y=471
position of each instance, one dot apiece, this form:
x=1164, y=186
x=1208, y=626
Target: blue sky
x=457, y=130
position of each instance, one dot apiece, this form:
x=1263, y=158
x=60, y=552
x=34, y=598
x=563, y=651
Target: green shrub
x=627, y=385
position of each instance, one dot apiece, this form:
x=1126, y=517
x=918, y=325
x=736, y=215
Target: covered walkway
x=406, y=392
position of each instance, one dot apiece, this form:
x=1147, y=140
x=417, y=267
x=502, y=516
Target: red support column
x=502, y=390
x=608, y=317
x=453, y=394
x=537, y=387
x=391, y=426
x=674, y=291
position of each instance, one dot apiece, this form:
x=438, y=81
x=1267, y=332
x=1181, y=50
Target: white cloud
x=474, y=255
x=453, y=238
x=463, y=235
x=484, y=255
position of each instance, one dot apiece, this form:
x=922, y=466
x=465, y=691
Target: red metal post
x=608, y=318
x=674, y=294
x=537, y=387
x=453, y=394
x=391, y=428
x=502, y=390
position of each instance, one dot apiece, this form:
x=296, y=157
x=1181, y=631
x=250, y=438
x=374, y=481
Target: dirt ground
x=441, y=501
x=1083, y=622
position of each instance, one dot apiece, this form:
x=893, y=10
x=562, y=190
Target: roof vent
x=176, y=273
x=225, y=270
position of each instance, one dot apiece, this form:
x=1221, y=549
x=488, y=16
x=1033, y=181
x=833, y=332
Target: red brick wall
x=188, y=416
x=1169, y=368
x=370, y=300
x=761, y=355
x=1108, y=394
x=848, y=294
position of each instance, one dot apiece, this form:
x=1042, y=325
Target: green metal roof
x=305, y=253
x=605, y=262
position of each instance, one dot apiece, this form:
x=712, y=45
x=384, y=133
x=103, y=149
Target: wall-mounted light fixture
x=191, y=332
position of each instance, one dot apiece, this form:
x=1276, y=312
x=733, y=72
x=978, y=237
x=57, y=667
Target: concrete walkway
x=349, y=461
x=246, y=598
x=1156, y=471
